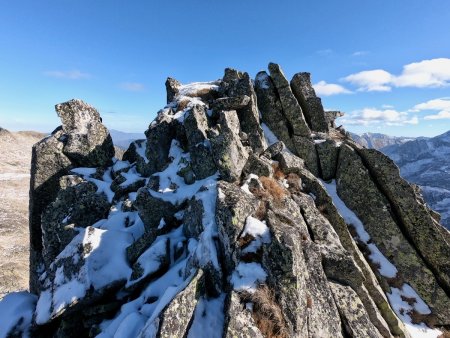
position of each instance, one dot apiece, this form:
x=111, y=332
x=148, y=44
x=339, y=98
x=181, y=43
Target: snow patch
x=259, y=231
x=247, y=276
x=269, y=135
x=16, y=308
x=208, y=318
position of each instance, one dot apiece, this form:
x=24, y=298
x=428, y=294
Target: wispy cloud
x=68, y=74
x=360, y=53
x=375, y=116
x=324, y=52
x=323, y=88
x=132, y=86
x=371, y=80
x=427, y=73
x=441, y=106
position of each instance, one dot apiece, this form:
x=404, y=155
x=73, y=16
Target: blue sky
x=116, y=56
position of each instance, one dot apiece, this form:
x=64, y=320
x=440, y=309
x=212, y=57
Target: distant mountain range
x=378, y=141
x=423, y=161
x=122, y=139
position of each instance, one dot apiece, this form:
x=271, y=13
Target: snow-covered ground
x=106, y=263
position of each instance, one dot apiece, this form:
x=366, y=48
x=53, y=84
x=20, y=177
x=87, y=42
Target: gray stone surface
x=238, y=84
x=68, y=211
x=328, y=152
x=228, y=152
x=87, y=141
x=291, y=108
x=259, y=166
x=239, y=322
x=306, y=150
x=152, y=209
x=360, y=193
x=269, y=105
x=311, y=104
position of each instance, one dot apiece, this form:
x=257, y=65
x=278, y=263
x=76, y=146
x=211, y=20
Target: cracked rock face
x=225, y=222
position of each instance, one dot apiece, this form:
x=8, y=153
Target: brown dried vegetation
x=295, y=183
x=245, y=241
x=261, y=211
x=277, y=172
x=395, y=282
x=267, y=314
x=273, y=188
x=418, y=318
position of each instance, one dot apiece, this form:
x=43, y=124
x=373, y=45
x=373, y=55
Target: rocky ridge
x=244, y=213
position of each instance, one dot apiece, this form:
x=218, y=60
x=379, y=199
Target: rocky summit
x=244, y=212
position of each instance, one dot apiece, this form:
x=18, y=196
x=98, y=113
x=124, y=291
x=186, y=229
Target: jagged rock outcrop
x=213, y=227
x=81, y=140
x=310, y=103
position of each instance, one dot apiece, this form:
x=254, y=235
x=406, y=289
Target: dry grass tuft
x=261, y=212
x=267, y=314
x=273, y=188
x=245, y=241
x=277, y=172
x=395, y=282
x=295, y=183
x=260, y=193
x=418, y=318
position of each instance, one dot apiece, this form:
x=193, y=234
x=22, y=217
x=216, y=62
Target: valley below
x=15, y=159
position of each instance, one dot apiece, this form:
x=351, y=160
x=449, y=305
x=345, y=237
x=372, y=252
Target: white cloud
x=426, y=73
x=436, y=104
x=324, y=52
x=374, y=116
x=442, y=106
x=371, y=80
x=70, y=74
x=360, y=53
x=444, y=114
x=132, y=86
x=323, y=88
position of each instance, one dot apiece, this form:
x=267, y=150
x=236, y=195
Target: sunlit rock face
x=244, y=213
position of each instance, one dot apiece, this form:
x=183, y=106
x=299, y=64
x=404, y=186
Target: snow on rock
x=193, y=89
x=259, y=231
x=103, y=186
x=247, y=276
x=16, y=311
x=387, y=269
x=208, y=318
x=102, y=257
x=245, y=186
x=269, y=135
x=403, y=308
x=119, y=165
x=149, y=304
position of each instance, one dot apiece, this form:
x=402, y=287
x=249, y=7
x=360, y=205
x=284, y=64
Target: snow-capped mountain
x=377, y=140
x=426, y=162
